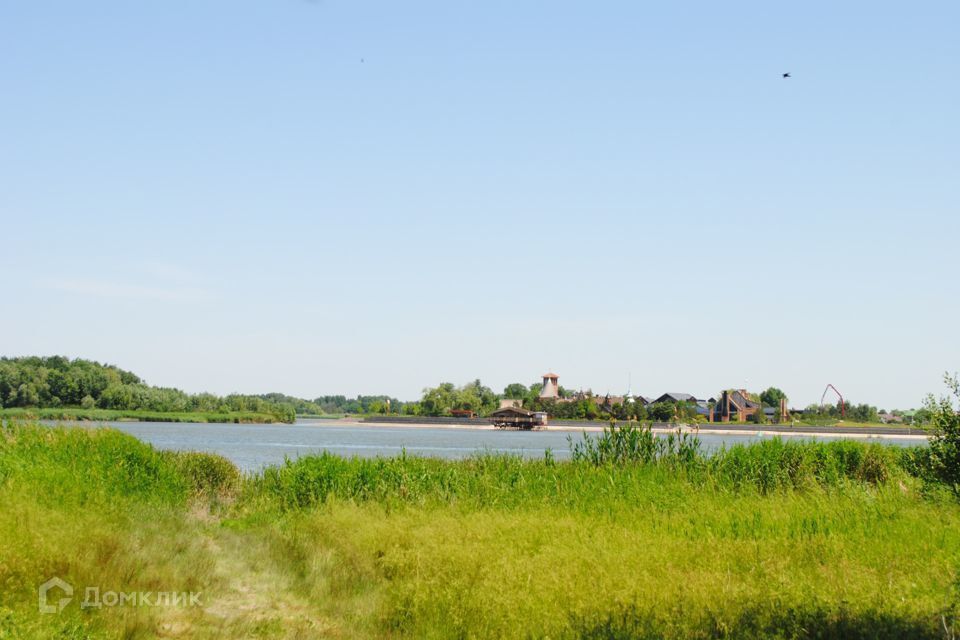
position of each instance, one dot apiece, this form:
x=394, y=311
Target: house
x=736, y=406
x=510, y=403
x=705, y=409
x=608, y=401
x=675, y=397
x=518, y=418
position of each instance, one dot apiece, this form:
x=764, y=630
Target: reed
x=621, y=461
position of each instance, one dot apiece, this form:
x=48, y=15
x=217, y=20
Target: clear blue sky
x=373, y=197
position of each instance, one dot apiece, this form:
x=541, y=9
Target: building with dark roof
x=735, y=405
x=676, y=397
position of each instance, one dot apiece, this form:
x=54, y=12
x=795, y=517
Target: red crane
x=843, y=406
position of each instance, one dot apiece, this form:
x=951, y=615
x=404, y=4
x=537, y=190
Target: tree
x=27, y=396
x=772, y=397
x=88, y=402
x=686, y=411
x=759, y=417
x=473, y=396
x=590, y=409
x=438, y=400
x=661, y=411
x=945, y=441
x=515, y=391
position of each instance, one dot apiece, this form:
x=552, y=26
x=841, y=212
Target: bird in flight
x=787, y=75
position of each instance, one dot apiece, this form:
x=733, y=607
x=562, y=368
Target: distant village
x=738, y=405
x=732, y=406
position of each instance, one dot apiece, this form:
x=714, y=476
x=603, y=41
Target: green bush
x=207, y=474
x=945, y=441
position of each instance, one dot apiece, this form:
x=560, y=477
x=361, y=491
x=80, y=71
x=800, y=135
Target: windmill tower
x=551, y=388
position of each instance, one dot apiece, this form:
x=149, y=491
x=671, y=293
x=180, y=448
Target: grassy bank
x=107, y=415
x=635, y=539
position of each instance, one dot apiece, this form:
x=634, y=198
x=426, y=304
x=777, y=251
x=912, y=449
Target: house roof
x=676, y=397
x=511, y=411
x=550, y=375
x=742, y=400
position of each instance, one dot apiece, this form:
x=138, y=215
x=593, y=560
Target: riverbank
x=711, y=428
x=110, y=415
x=789, y=540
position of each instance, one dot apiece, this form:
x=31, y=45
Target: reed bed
x=621, y=463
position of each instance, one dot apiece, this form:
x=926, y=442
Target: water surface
x=254, y=446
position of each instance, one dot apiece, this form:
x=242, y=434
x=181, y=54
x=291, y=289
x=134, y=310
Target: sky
x=337, y=197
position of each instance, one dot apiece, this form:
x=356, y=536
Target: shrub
x=945, y=440
x=207, y=474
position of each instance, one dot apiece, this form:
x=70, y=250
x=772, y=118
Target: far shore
x=803, y=431
x=705, y=430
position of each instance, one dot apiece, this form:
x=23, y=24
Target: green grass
x=108, y=415
x=779, y=539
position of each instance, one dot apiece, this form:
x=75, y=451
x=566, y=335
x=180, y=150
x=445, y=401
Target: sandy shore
x=598, y=428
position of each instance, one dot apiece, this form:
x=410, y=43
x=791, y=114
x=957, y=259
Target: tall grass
x=632, y=539
x=98, y=507
x=620, y=463
x=633, y=444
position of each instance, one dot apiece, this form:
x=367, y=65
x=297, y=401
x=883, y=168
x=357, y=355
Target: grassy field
x=637, y=538
x=106, y=415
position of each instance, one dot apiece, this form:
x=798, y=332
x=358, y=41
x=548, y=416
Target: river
x=254, y=446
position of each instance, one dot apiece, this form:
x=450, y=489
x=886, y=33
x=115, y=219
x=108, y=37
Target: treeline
x=360, y=404
x=446, y=398
x=300, y=406
x=600, y=408
x=58, y=382
x=852, y=412
x=54, y=382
